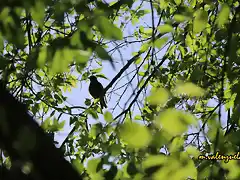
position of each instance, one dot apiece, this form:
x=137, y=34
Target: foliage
x=179, y=99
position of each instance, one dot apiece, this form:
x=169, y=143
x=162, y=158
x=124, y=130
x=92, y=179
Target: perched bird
x=96, y=90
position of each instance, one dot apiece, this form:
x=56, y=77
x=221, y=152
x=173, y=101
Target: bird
x=96, y=90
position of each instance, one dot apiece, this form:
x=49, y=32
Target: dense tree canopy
x=175, y=97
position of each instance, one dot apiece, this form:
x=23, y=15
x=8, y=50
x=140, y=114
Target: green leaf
x=63, y=57
x=138, y=117
x=189, y=89
x=102, y=53
x=164, y=4
x=135, y=135
x=178, y=2
x=38, y=12
x=92, y=165
x=223, y=15
x=46, y=124
x=158, y=96
x=159, y=43
x=141, y=73
x=81, y=56
x=115, y=149
x=138, y=60
x=193, y=151
x=180, y=18
x=95, y=129
x=108, y=116
x=200, y=21
x=92, y=112
x=154, y=161
x=108, y=30
x=145, y=47
x=176, y=144
x=174, y=122
x=95, y=71
x=166, y=28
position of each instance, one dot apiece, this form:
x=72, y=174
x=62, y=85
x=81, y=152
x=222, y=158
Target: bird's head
x=93, y=78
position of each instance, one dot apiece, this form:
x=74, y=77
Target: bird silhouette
x=97, y=91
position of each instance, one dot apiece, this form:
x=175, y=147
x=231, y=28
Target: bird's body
x=97, y=91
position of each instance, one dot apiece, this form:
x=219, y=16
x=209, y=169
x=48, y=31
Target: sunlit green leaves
x=200, y=21
x=189, y=89
x=92, y=165
x=42, y=57
x=52, y=125
x=163, y=4
x=38, y=12
x=64, y=57
x=108, y=116
x=154, y=160
x=108, y=30
x=178, y=2
x=135, y=135
x=80, y=56
x=138, y=60
x=176, y=169
x=158, y=96
x=144, y=47
x=223, y=15
x=92, y=113
x=176, y=145
x=115, y=149
x=180, y=18
x=174, y=122
x=171, y=167
x=95, y=130
x=165, y=28
x=232, y=166
x=159, y=43
x=11, y=26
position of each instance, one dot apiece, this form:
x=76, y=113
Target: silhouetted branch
x=23, y=139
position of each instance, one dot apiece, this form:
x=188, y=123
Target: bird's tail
x=103, y=103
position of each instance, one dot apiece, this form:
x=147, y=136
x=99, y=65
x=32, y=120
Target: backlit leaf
x=158, y=97
x=189, y=89
x=135, y=135
x=223, y=15
x=174, y=122
x=159, y=43
x=165, y=28
x=200, y=21
x=108, y=116
x=108, y=30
